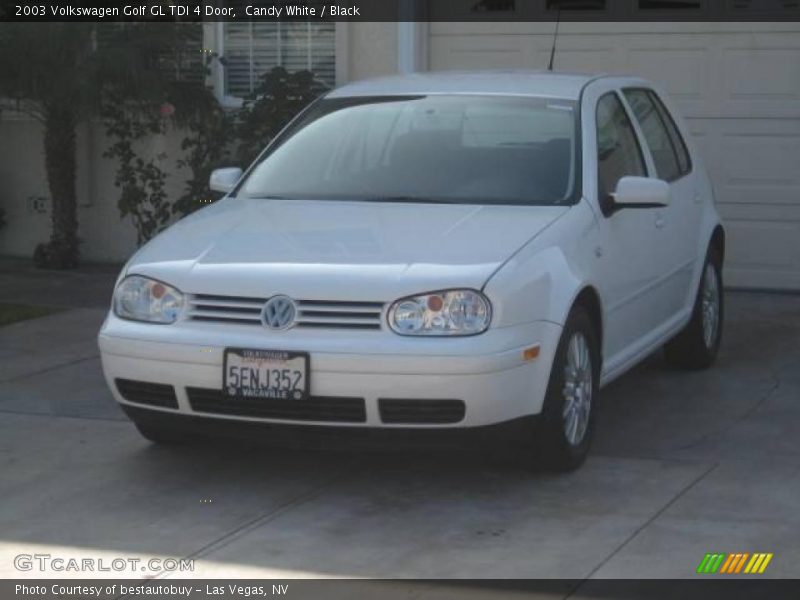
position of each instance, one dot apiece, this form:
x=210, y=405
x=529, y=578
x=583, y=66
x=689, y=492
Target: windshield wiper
x=387, y=199
x=414, y=199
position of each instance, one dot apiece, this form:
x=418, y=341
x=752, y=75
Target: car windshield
x=459, y=149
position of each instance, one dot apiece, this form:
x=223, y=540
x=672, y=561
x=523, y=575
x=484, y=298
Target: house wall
x=372, y=50
x=105, y=236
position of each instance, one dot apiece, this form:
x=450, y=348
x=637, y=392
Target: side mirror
x=637, y=192
x=224, y=180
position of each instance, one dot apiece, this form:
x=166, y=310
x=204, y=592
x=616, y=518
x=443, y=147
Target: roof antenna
x=555, y=39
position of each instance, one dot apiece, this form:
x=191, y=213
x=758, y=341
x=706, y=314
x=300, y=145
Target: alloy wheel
x=710, y=305
x=578, y=389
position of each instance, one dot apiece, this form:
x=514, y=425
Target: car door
x=680, y=221
x=630, y=250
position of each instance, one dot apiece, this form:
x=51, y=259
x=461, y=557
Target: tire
x=164, y=435
x=697, y=345
x=563, y=436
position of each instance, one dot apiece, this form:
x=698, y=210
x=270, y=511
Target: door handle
x=660, y=222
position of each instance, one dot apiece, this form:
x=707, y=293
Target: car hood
x=338, y=250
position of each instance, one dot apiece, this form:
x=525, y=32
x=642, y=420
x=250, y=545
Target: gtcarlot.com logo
x=735, y=563
x=118, y=564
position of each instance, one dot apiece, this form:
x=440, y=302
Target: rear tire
x=563, y=434
x=697, y=345
x=164, y=435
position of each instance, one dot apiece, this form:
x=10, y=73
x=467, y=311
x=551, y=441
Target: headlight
x=141, y=299
x=450, y=312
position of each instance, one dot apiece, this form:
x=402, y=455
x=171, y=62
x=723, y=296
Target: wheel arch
x=717, y=241
x=588, y=298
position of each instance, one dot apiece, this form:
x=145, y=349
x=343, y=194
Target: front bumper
x=487, y=372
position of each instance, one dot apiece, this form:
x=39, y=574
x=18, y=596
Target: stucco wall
x=372, y=50
x=105, y=236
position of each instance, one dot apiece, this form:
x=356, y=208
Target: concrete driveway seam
x=50, y=368
x=644, y=526
x=743, y=417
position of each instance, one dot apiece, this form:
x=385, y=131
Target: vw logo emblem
x=279, y=312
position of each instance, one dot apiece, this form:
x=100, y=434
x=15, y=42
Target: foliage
x=140, y=181
x=206, y=147
x=175, y=96
x=278, y=98
x=218, y=137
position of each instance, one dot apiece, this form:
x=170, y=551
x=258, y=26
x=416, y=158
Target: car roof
x=505, y=83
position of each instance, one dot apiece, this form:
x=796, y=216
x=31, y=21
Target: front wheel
x=697, y=345
x=564, y=430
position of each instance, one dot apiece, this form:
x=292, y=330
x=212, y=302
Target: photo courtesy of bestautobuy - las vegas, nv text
x=439, y=298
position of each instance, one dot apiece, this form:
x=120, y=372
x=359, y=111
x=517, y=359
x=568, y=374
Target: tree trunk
x=60, y=162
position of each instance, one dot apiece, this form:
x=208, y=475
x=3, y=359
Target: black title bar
x=448, y=589
x=400, y=10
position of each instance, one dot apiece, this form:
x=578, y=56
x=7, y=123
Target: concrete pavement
x=684, y=464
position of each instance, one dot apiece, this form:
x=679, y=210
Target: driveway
x=684, y=464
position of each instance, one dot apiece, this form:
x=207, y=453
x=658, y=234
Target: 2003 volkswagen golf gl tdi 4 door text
x=437, y=251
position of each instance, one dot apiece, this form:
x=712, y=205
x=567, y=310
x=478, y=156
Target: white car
x=442, y=253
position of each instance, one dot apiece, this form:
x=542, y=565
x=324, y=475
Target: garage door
x=738, y=86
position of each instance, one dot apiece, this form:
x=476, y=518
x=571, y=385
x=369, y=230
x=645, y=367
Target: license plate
x=269, y=374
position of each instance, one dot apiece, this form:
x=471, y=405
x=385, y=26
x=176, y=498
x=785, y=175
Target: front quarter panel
x=542, y=280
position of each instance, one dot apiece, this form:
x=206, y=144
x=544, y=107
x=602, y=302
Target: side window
x=684, y=161
x=655, y=134
x=618, y=152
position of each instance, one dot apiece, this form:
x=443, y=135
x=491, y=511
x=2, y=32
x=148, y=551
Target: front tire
x=565, y=428
x=697, y=345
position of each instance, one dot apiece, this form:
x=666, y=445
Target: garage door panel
x=755, y=166
x=772, y=73
x=681, y=71
x=768, y=259
x=485, y=52
x=589, y=59
x=760, y=212
x=757, y=162
x=760, y=75
x=762, y=159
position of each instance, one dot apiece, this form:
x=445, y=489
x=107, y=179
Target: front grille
x=421, y=412
x=310, y=313
x=329, y=409
x=142, y=392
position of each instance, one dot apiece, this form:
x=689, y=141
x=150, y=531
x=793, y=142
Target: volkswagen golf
x=432, y=253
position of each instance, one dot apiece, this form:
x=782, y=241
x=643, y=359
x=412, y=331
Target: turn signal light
x=531, y=353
